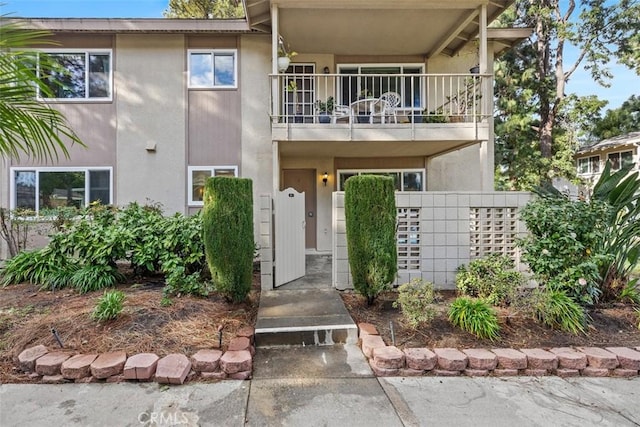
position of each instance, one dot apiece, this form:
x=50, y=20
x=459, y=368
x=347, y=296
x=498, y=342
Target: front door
x=304, y=181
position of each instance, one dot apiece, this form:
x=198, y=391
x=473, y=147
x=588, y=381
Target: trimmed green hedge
x=228, y=235
x=370, y=211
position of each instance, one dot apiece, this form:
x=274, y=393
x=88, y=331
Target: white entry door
x=290, y=236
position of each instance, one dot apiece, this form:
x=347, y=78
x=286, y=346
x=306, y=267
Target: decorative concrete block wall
x=266, y=242
x=439, y=231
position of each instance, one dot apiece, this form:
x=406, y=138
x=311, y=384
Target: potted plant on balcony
x=325, y=109
x=284, y=58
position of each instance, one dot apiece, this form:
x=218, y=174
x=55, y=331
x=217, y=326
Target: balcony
x=306, y=106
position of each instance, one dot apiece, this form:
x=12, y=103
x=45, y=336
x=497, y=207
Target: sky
x=624, y=84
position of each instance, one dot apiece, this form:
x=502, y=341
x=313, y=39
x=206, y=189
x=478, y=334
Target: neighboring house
x=163, y=104
x=620, y=150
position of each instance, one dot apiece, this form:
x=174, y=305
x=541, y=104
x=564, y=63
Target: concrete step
x=303, y=317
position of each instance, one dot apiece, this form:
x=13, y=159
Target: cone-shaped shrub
x=370, y=213
x=228, y=235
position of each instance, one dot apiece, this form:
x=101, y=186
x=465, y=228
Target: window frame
x=38, y=170
x=619, y=155
x=212, y=169
x=589, y=162
x=359, y=75
x=401, y=171
x=86, y=52
x=213, y=53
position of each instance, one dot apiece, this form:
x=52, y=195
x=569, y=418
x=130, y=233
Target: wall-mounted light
x=326, y=70
x=325, y=178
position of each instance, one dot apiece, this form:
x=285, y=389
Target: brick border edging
x=390, y=361
x=60, y=366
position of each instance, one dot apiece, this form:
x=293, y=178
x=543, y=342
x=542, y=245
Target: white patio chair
x=391, y=103
x=340, y=112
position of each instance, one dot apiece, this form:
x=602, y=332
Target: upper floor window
x=404, y=179
x=74, y=74
x=42, y=190
x=589, y=165
x=371, y=81
x=621, y=159
x=198, y=176
x=213, y=68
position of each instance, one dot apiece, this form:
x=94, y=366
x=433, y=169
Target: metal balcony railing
x=380, y=98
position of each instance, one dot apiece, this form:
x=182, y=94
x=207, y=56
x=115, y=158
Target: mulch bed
x=611, y=325
x=188, y=324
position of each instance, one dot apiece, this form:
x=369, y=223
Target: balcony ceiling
x=374, y=27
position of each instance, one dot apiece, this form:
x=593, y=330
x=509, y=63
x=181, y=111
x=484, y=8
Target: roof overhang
x=620, y=141
x=125, y=25
x=374, y=27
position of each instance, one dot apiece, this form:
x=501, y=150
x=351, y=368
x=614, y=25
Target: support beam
x=442, y=44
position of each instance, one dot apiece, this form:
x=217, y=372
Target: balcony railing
x=380, y=98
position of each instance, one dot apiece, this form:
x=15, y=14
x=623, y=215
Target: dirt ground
x=27, y=316
x=611, y=325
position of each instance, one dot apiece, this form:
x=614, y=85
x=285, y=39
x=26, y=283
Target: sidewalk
x=328, y=386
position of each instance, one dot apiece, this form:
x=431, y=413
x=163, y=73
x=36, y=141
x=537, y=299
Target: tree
x=28, y=125
x=539, y=104
x=619, y=121
x=204, y=9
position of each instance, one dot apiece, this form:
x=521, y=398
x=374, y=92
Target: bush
x=370, y=213
x=555, y=309
x=474, y=316
x=491, y=278
x=416, y=300
x=109, y=306
x=561, y=248
x=228, y=235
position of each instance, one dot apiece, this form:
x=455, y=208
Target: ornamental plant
x=561, y=247
x=474, y=316
x=109, y=306
x=370, y=214
x=228, y=235
x=416, y=300
x=491, y=278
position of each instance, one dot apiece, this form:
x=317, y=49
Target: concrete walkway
x=316, y=401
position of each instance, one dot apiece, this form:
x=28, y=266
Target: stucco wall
x=257, y=158
x=150, y=98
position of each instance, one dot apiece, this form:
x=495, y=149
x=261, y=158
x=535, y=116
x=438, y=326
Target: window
x=619, y=160
x=212, y=69
x=589, y=165
x=76, y=75
x=375, y=80
x=404, y=179
x=198, y=175
x=43, y=189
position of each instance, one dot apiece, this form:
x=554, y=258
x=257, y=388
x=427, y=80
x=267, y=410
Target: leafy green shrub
x=93, y=277
x=416, y=299
x=555, y=309
x=370, y=213
x=491, y=278
x=474, y=316
x=109, y=306
x=561, y=245
x=42, y=267
x=228, y=235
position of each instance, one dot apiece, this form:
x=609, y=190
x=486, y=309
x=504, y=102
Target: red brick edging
x=562, y=361
x=60, y=366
